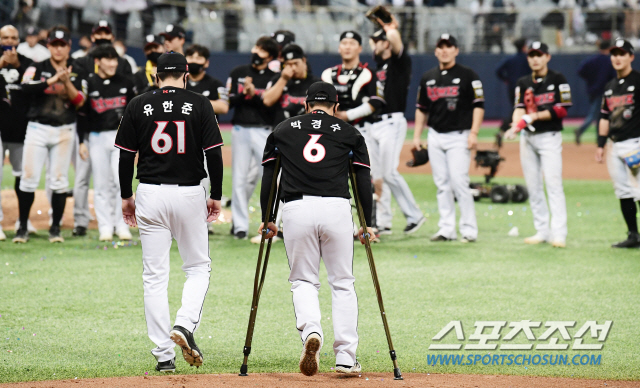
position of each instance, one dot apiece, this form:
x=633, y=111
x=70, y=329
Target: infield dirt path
x=288, y=380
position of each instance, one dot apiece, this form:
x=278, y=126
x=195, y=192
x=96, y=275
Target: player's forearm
x=603, y=127
x=421, y=121
x=273, y=94
x=267, y=178
x=360, y=111
x=125, y=173
x=220, y=107
x=394, y=38
x=76, y=98
x=544, y=115
x=478, y=116
x=363, y=181
x=34, y=87
x=517, y=114
x=214, y=165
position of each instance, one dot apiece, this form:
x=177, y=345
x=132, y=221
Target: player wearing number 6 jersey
x=169, y=128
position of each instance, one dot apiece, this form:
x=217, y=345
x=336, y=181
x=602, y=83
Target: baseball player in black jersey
x=451, y=103
x=314, y=151
x=102, y=33
x=542, y=99
x=283, y=38
x=620, y=122
x=386, y=135
x=252, y=123
x=174, y=38
x=202, y=83
x=55, y=92
x=144, y=79
x=170, y=128
x=288, y=90
x=108, y=95
x=14, y=118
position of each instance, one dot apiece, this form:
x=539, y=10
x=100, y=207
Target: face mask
x=195, y=68
x=153, y=57
x=256, y=59
x=98, y=42
x=120, y=50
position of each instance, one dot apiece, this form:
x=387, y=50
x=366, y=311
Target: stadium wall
x=497, y=105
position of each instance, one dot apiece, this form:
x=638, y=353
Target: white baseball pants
x=165, y=212
x=104, y=159
x=247, y=149
x=541, y=155
x=322, y=227
x=384, y=141
x=450, y=158
x=626, y=181
x=47, y=143
x=81, y=214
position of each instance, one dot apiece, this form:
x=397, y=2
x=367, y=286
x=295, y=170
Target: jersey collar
x=318, y=111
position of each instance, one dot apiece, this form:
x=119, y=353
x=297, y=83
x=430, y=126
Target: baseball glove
x=420, y=157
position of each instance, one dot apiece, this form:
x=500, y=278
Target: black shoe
x=413, y=227
x=438, y=237
x=54, y=234
x=183, y=338
x=231, y=230
x=632, y=241
x=240, y=236
x=577, y=134
x=80, y=231
x=167, y=366
x=384, y=231
x=22, y=235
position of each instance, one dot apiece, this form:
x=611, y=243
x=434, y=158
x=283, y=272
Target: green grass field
x=76, y=309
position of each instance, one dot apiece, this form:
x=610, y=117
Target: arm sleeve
x=604, y=109
x=563, y=98
x=214, y=165
x=126, y=138
x=125, y=173
x=477, y=92
x=269, y=165
x=422, y=101
x=29, y=83
x=375, y=92
x=365, y=192
x=235, y=96
x=519, y=101
x=211, y=137
x=83, y=123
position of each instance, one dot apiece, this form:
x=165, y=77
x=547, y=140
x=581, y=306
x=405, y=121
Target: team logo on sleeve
x=477, y=89
x=517, y=95
x=565, y=92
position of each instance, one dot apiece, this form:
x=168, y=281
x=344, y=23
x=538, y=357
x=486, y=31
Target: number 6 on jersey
x=313, y=145
x=159, y=135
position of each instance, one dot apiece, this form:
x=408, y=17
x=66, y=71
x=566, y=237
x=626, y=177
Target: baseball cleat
x=30, y=228
x=105, y=237
x=167, y=366
x=467, y=240
x=411, y=228
x=356, y=368
x=54, y=234
x=535, y=239
x=558, y=244
x=439, y=237
x=632, y=241
x=124, y=235
x=80, y=231
x=384, y=231
x=22, y=236
x=310, y=357
x=240, y=236
x=183, y=338
x=2, y=235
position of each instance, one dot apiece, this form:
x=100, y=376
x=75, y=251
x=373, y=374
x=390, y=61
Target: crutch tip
x=243, y=370
x=397, y=374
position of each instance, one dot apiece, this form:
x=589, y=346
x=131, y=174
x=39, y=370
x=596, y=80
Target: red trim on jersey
x=268, y=160
x=560, y=111
x=362, y=164
x=123, y=148
x=213, y=146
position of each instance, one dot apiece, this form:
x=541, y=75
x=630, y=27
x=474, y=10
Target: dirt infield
x=285, y=380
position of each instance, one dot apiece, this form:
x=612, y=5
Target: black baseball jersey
x=618, y=106
x=170, y=128
x=449, y=97
x=143, y=79
x=551, y=91
x=14, y=119
x=314, y=152
x=106, y=102
x=393, y=75
x=250, y=111
x=47, y=106
x=293, y=97
x=355, y=87
x=210, y=87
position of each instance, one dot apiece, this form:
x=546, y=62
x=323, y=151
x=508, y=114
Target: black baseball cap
x=624, y=45
x=284, y=37
x=32, y=31
x=173, y=31
x=102, y=25
x=537, y=46
x=292, y=51
x=152, y=40
x=447, y=38
x=322, y=91
x=378, y=35
x=172, y=61
x=351, y=35
x=59, y=35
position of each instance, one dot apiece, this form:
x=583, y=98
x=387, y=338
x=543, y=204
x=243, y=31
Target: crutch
x=396, y=370
x=260, y=274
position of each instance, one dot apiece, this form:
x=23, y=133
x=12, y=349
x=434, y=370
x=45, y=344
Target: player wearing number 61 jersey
x=169, y=128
